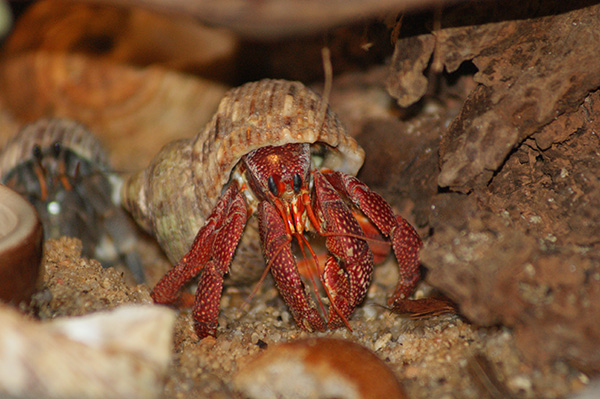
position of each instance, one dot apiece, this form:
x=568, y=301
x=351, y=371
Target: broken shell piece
x=20, y=247
x=123, y=353
x=318, y=368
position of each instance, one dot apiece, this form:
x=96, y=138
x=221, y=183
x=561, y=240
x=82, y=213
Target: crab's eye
x=297, y=183
x=273, y=186
x=56, y=148
x=37, y=152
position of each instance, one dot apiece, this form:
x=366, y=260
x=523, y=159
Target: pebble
x=382, y=341
x=521, y=383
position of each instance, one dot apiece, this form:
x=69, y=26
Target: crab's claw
x=349, y=269
x=405, y=240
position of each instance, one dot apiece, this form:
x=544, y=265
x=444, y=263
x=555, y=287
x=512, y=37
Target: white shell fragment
x=123, y=353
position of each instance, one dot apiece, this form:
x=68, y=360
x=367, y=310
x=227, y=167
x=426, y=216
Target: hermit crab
x=63, y=171
x=276, y=160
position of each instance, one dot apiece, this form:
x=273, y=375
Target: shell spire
x=173, y=196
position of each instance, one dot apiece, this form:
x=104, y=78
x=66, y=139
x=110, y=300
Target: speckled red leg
x=277, y=249
x=348, y=272
x=211, y=255
x=404, y=238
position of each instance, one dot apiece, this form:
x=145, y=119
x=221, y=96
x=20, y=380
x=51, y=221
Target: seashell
x=173, y=196
x=44, y=134
x=318, y=368
x=132, y=110
x=61, y=168
x=20, y=247
x=128, y=35
x=123, y=353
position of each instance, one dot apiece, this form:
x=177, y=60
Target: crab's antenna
x=353, y=235
x=325, y=288
x=317, y=225
x=62, y=173
x=260, y=282
x=40, y=171
x=301, y=239
x=328, y=72
x=337, y=310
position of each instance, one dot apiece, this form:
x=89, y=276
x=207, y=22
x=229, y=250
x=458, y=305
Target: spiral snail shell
x=60, y=167
x=172, y=197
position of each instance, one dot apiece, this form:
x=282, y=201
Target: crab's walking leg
x=347, y=273
x=278, y=254
x=211, y=255
x=404, y=238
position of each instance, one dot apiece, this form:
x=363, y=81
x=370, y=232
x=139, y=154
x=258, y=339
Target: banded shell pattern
x=43, y=134
x=173, y=196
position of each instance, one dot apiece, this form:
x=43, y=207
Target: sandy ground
x=439, y=357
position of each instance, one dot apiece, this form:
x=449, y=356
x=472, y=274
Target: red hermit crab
x=273, y=159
